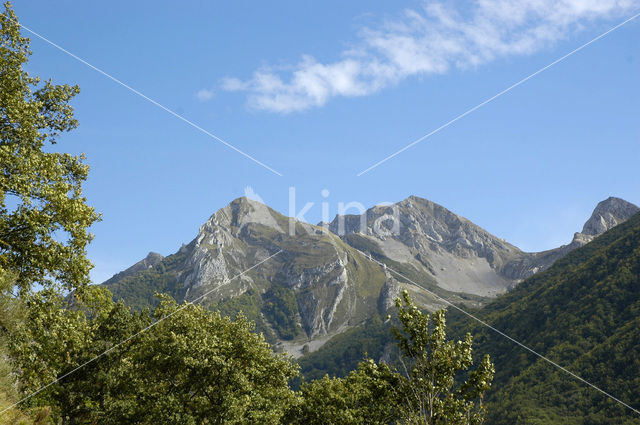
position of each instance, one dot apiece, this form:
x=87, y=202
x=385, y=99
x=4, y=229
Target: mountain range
x=330, y=277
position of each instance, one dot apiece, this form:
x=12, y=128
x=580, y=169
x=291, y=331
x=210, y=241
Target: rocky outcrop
x=452, y=251
x=607, y=214
x=334, y=284
x=390, y=291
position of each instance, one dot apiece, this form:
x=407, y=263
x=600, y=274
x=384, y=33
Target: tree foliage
x=194, y=366
x=430, y=392
x=54, y=340
x=43, y=215
x=435, y=386
x=11, y=314
x=201, y=367
x=367, y=395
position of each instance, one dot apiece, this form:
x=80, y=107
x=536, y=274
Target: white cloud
x=205, y=94
x=431, y=40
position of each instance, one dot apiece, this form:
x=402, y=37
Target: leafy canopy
x=431, y=394
x=436, y=386
x=193, y=367
x=365, y=396
x=12, y=313
x=43, y=216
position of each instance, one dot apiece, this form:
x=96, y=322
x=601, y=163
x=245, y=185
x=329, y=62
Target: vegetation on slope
x=341, y=355
x=192, y=366
x=281, y=309
x=139, y=290
x=582, y=313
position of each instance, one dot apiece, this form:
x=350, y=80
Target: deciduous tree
x=365, y=396
x=431, y=391
x=193, y=367
x=43, y=215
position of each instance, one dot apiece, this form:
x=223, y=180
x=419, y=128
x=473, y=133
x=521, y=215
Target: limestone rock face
x=390, y=291
x=452, y=252
x=607, y=214
x=334, y=285
x=444, y=248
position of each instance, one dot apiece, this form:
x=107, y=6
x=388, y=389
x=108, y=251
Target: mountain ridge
x=323, y=282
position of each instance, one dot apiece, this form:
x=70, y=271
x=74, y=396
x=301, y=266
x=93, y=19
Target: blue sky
x=321, y=91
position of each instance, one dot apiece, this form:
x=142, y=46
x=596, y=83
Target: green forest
x=76, y=353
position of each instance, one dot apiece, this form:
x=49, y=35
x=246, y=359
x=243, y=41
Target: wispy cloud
x=431, y=40
x=205, y=94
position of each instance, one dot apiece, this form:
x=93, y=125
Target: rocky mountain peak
x=607, y=214
x=449, y=250
x=241, y=212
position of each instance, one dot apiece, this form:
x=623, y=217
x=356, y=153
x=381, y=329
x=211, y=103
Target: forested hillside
x=584, y=314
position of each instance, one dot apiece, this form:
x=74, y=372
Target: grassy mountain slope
x=138, y=288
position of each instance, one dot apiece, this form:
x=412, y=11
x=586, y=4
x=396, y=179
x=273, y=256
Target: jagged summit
x=242, y=211
x=607, y=214
x=242, y=207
